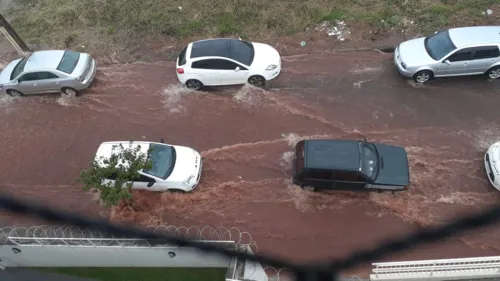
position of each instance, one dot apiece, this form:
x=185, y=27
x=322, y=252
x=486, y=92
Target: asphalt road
x=246, y=136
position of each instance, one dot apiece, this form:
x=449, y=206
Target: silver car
x=48, y=72
x=454, y=52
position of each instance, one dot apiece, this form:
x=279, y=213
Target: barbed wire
x=70, y=235
x=317, y=272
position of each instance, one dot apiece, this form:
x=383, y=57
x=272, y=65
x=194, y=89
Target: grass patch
x=140, y=273
x=52, y=21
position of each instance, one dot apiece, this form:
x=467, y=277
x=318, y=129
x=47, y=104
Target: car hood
x=413, y=53
x=393, y=165
x=6, y=72
x=187, y=164
x=264, y=56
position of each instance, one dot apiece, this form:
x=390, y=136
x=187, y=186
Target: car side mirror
x=150, y=184
x=447, y=62
x=237, y=68
x=18, y=81
x=162, y=140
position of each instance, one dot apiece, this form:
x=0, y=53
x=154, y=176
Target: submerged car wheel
x=14, y=93
x=257, y=81
x=70, y=92
x=494, y=72
x=308, y=188
x=194, y=84
x=422, y=76
x=177, y=191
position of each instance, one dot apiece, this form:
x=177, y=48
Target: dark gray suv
x=350, y=165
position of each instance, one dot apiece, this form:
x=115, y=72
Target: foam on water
x=249, y=95
x=486, y=136
x=172, y=98
x=64, y=100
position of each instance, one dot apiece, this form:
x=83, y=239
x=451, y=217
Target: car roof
x=217, y=47
x=44, y=60
x=475, y=35
x=106, y=149
x=332, y=154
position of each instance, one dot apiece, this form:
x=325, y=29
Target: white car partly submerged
x=174, y=168
x=492, y=164
x=226, y=61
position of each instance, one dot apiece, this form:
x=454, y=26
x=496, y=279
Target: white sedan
x=174, y=168
x=492, y=164
x=225, y=61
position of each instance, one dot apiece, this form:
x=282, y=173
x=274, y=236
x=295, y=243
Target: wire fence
x=71, y=235
x=324, y=271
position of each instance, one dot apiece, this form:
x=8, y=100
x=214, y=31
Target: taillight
x=180, y=70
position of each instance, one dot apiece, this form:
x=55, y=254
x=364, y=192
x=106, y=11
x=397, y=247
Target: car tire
x=308, y=188
x=423, y=76
x=257, y=81
x=194, y=84
x=14, y=93
x=70, y=92
x=175, y=190
x=493, y=73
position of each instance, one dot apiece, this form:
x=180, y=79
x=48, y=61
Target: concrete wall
x=102, y=256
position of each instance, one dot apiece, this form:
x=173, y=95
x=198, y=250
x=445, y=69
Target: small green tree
x=123, y=166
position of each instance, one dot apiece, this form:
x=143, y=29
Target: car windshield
x=369, y=160
x=242, y=51
x=162, y=159
x=439, y=45
x=18, y=69
x=68, y=62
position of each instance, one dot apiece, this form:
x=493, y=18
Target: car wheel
x=308, y=188
x=423, y=76
x=14, y=93
x=70, y=92
x=194, y=84
x=257, y=81
x=177, y=191
x=494, y=72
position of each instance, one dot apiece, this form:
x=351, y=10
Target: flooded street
x=246, y=137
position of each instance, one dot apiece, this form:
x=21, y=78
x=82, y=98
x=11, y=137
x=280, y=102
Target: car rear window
x=18, y=69
x=299, y=154
x=68, y=62
x=182, y=56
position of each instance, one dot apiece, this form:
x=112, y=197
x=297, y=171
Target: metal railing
x=465, y=268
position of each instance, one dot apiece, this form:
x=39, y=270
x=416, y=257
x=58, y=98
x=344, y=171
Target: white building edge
x=66, y=246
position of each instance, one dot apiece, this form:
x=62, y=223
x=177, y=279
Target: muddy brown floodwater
x=246, y=137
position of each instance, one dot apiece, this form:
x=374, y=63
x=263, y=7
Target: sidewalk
x=21, y=274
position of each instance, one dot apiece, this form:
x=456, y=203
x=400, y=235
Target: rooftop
x=44, y=60
x=219, y=47
x=472, y=35
x=332, y=154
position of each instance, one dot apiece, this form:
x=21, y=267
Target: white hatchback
x=174, y=168
x=492, y=164
x=226, y=61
